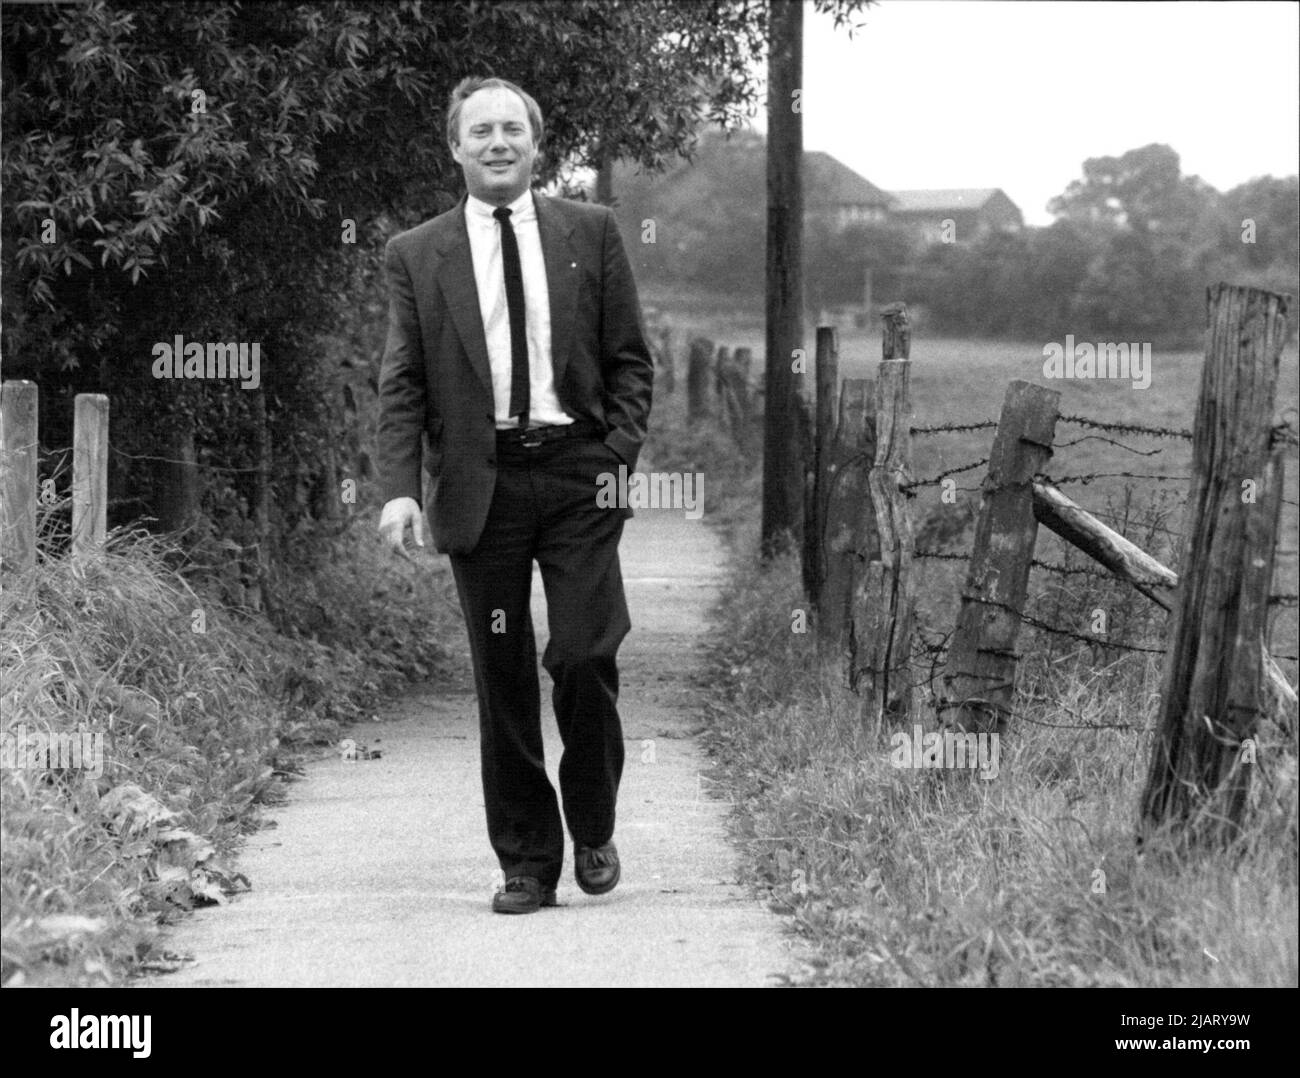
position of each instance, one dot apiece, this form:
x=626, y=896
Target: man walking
x=516, y=363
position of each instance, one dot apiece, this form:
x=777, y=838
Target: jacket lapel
x=561, y=280
x=456, y=280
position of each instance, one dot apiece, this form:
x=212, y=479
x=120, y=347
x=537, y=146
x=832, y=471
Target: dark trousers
x=544, y=508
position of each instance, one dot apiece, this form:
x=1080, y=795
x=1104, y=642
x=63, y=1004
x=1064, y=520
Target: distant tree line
x=1132, y=249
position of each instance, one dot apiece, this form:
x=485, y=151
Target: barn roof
x=935, y=201
x=831, y=182
x=828, y=182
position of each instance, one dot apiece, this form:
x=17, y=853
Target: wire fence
x=1092, y=571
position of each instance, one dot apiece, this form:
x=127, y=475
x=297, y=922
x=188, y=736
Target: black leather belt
x=535, y=436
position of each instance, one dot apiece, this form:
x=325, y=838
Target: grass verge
x=189, y=716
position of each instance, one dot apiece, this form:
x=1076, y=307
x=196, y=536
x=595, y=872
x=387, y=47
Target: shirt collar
x=521, y=209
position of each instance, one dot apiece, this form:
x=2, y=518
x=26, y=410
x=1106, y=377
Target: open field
x=964, y=381
x=905, y=877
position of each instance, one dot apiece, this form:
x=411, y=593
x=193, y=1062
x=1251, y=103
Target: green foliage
x=1142, y=190
x=197, y=164
x=104, y=645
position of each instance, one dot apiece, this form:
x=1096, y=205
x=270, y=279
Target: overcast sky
x=985, y=93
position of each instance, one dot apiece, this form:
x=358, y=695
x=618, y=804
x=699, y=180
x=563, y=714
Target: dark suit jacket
x=435, y=386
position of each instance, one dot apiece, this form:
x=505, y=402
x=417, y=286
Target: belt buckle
x=531, y=439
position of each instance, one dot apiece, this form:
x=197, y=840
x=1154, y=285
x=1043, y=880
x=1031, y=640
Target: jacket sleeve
x=402, y=387
x=626, y=366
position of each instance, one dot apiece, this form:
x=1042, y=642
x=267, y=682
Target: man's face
x=496, y=147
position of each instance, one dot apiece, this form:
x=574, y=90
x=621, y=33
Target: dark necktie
x=518, y=327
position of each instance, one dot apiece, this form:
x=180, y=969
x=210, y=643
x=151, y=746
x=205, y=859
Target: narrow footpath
x=379, y=873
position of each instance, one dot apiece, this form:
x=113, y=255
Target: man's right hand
x=397, y=515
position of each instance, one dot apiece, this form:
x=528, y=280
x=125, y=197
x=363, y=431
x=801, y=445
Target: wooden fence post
x=885, y=600
x=697, y=379
x=89, y=472
x=18, y=434
x=744, y=363
x=667, y=363
x=849, y=531
x=732, y=385
x=826, y=372
x=980, y=673
x=176, y=479
x=1214, y=677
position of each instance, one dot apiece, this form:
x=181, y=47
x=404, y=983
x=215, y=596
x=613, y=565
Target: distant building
x=727, y=173
x=839, y=195
x=957, y=215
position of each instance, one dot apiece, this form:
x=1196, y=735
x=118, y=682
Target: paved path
x=379, y=872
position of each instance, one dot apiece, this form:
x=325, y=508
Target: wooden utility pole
x=1214, y=686
x=783, y=420
x=828, y=378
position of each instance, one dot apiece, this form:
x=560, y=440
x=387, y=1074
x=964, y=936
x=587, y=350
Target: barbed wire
x=1126, y=428
x=1074, y=570
x=936, y=480
x=942, y=703
x=932, y=653
x=1064, y=570
x=1280, y=599
x=940, y=556
x=1029, y=619
x=1088, y=477
x=190, y=463
x=983, y=424
x=1110, y=441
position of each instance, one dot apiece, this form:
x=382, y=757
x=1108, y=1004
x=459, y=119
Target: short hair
x=472, y=85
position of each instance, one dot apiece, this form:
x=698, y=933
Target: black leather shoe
x=523, y=894
x=596, y=868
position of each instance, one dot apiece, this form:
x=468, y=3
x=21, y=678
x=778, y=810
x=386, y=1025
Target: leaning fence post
x=1214, y=677
x=18, y=434
x=89, y=471
x=885, y=598
x=979, y=677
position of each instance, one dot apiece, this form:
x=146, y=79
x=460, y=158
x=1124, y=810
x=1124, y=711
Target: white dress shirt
x=489, y=277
